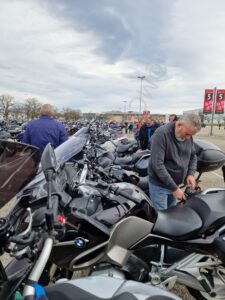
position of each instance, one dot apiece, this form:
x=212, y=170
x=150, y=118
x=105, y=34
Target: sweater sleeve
x=158, y=151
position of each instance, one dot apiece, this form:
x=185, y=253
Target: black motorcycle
x=32, y=245
x=88, y=210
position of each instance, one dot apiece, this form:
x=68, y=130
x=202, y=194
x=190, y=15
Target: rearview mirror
x=48, y=159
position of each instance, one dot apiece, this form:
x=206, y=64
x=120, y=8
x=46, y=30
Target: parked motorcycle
x=87, y=210
x=184, y=244
x=32, y=244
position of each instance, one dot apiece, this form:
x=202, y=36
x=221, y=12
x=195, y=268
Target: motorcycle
x=184, y=244
x=88, y=209
x=35, y=244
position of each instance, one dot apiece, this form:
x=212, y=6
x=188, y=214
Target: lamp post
x=125, y=108
x=140, y=77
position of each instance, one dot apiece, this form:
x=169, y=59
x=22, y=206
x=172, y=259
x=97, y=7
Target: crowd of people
x=144, y=129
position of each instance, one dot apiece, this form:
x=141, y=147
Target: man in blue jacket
x=146, y=132
x=45, y=130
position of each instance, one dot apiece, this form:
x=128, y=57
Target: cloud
x=87, y=54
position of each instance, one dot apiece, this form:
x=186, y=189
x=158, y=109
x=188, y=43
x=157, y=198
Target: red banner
x=208, y=102
x=220, y=97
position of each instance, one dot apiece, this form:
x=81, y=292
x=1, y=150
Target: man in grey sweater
x=173, y=160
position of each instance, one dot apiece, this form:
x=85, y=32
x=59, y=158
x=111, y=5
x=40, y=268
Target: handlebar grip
x=21, y=241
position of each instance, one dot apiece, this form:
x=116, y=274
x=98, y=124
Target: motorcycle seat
x=210, y=208
x=131, y=159
x=123, y=160
x=178, y=223
x=124, y=148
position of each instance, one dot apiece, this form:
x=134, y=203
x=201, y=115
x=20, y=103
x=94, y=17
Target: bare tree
x=71, y=114
x=6, y=104
x=32, y=108
x=18, y=111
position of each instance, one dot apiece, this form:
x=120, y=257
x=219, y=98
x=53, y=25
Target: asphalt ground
x=208, y=180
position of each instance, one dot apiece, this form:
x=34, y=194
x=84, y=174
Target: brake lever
x=181, y=202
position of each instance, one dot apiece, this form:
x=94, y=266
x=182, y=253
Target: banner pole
x=213, y=111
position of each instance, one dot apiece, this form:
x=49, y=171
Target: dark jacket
x=143, y=134
x=171, y=161
x=43, y=131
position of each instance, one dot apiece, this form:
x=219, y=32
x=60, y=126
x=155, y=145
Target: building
x=119, y=116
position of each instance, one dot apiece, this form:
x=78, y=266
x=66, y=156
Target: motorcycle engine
x=107, y=270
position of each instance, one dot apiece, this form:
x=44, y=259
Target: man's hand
x=179, y=194
x=191, y=181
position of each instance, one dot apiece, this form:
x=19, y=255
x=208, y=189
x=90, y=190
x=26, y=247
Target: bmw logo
x=80, y=242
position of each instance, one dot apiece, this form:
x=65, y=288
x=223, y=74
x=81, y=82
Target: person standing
x=173, y=161
x=45, y=130
x=146, y=132
x=130, y=128
x=173, y=118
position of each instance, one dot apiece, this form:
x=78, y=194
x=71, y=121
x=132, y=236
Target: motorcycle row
x=85, y=207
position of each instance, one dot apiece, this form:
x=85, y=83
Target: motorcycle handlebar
x=21, y=241
x=29, y=291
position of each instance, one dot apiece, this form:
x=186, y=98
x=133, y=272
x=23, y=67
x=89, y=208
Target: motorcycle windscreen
x=18, y=166
x=72, y=146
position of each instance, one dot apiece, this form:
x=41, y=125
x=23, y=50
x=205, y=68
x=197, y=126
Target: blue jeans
x=161, y=198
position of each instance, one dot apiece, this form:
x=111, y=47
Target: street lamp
x=125, y=108
x=140, y=77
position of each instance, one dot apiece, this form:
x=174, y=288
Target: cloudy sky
x=87, y=54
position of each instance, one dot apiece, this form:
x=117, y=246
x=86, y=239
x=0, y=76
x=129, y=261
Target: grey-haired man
x=173, y=160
